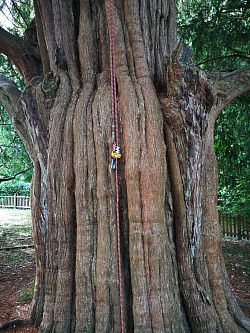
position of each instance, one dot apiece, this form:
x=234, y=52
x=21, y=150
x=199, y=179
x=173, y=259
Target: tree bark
x=172, y=267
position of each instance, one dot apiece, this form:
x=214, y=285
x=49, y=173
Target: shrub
x=15, y=186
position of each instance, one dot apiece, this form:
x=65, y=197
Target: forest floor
x=17, y=269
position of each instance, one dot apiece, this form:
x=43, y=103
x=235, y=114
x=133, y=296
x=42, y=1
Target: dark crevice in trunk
x=76, y=13
x=189, y=287
x=73, y=249
x=39, y=223
x=128, y=298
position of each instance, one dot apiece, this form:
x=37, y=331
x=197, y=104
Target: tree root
x=17, y=247
x=14, y=323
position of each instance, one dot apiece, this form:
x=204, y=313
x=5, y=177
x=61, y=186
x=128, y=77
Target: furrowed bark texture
x=173, y=271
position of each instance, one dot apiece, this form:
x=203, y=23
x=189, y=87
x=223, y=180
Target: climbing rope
x=115, y=154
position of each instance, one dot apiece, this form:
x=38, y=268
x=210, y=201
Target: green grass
x=26, y=294
x=16, y=212
x=15, y=223
x=15, y=230
x=16, y=256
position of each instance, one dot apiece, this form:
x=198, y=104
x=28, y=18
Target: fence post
x=15, y=201
x=240, y=228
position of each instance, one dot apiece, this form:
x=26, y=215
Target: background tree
x=232, y=150
x=218, y=33
x=15, y=164
x=14, y=161
x=172, y=268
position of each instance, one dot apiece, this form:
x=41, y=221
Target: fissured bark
x=173, y=271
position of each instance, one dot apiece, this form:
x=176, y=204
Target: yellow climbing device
x=115, y=155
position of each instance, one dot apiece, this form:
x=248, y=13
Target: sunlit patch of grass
x=15, y=223
x=15, y=230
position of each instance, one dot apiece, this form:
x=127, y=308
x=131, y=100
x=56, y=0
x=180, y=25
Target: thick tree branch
x=22, y=53
x=10, y=98
x=228, y=86
x=239, y=55
x=6, y=179
x=41, y=39
x=9, y=90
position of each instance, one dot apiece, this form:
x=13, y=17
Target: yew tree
x=173, y=273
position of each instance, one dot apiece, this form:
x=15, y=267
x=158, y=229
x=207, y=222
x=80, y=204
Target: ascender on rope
x=116, y=153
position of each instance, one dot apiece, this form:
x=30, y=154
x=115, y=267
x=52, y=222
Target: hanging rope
x=115, y=154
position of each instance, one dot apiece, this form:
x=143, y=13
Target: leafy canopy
x=218, y=32
x=16, y=15
x=232, y=146
x=13, y=156
x=14, y=160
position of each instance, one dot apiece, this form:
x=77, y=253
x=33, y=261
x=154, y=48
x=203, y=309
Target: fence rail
x=231, y=226
x=15, y=201
x=235, y=227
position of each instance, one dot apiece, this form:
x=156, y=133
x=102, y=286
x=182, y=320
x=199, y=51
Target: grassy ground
x=15, y=230
x=18, y=216
x=17, y=266
x=15, y=224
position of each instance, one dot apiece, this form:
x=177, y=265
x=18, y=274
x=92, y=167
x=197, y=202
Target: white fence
x=15, y=201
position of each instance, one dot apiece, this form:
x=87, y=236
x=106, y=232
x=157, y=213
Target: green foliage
x=9, y=70
x=217, y=30
x=15, y=186
x=218, y=33
x=18, y=15
x=232, y=146
x=26, y=295
x=13, y=156
x=16, y=256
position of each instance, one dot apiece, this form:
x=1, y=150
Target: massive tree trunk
x=173, y=273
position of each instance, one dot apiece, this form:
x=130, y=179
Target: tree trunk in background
x=173, y=270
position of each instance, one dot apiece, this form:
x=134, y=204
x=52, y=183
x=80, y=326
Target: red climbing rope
x=115, y=149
